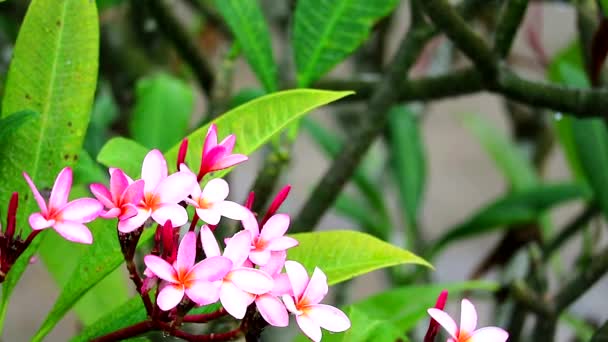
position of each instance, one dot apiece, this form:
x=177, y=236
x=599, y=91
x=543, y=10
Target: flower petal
x=211, y=269
x=328, y=317
x=233, y=210
x=37, y=195
x=169, y=296
x=275, y=264
x=229, y=161
x=118, y=184
x=275, y=227
x=210, y=139
x=176, y=187
x=444, y=320
x=272, y=310
x=282, y=286
x=102, y=194
x=82, y=210
x=174, y=212
x=73, y=231
x=37, y=221
x=282, y=243
x=209, y=216
x=228, y=143
x=298, y=277
x=489, y=334
x=210, y=245
x=161, y=268
x=203, y=292
x=215, y=191
x=134, y=193
x=132, y=223
x=153, y=170
x=127, y=211
x=250, y=224
x=235, y=300
x=290, y=304
x=259, y=258
x=186, y=253
x=317, y=287
x=237, y=249
x=309, y=327
x=468, y=316
x=61, y=189
x=251, y=280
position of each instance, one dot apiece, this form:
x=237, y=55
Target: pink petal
x=209, y=216
x=298, y=277
x=272, y=310
x=215, y=191
x=468, y=316
x=170, y=296
x=250, y=224
x=229, y=161
x=174, y=212
x=112, y=213
x=210, y=245
x=489, y=334
x=317, y=287
x=328, y=317
x=282, y=286
x=275, y=227
x=102, y=194
x=290, y=304
x=203, y=292
x=235, y=300
x=210, y=139
x=127, y=211
x=61, y=189
x=153, y=170
x=213, y=156
x=176, y=187
x=118, y=184
x=211, y=269
x=444, y=320
x=134, y=193
x=161, y=268
x=282, y=243
x=251, y=280
x=37, y=221
x=73, y=231
x=276, y=262
x=309, y=327
x=233, y=210
x=132, y=223
x=186, y=253
x=82, y=210
x=259, y=258
x=237, y=249
x=37, y=195
x=228, y=143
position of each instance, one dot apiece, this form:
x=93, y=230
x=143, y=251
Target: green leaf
x=507, y=157
x=253, y=123
x=53, y=72
x=87, y=171
x=326, y=32
x=14, y=121
x=604, y=7
x=95, y=264
x=246, y=21
x=345, y=254
x=105, y=111
x=409, y=163
x=163, y=106
x=517, y=207
x=582, y=330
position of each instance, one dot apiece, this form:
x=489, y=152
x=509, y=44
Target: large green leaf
x=13, y=122
x=53, y=72
x=326, y=32
x=345, y=254
x=105, y=111
x=163, y=106
x=253, y=123
x=517, y=207
x=94, y=265
x=246, y=21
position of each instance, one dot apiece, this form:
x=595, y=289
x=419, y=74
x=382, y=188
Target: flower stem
x=205, y=318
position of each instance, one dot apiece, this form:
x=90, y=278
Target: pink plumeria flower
x=218, y=156
x=271, y=239
x=468, y=323
x=211, y=204
x=304, y=304
x=162, y=194
x=269, y=305
x=186, y=278
x=238, y=289
x=65, y=217
x=123, y=196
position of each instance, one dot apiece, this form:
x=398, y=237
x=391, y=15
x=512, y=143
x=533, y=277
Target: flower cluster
x=247, y=273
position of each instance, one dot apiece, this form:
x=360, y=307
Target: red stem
x=31, y=237
x=213, y=337
x=134, y=275
x=124, y=333
x=194, y=222
x=205, y=318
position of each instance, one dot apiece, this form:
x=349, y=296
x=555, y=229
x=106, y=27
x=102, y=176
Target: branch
x=570, y=229
x=511, y=16
x=530, y=299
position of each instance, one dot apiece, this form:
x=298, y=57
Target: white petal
x=309, y=327
x=468, y=316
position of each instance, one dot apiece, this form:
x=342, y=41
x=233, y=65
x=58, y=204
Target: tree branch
x=511, y=15
x=570, y=229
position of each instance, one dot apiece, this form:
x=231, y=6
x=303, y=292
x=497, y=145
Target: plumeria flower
x=65, y=217
x=211, y=204
x=240, y=286
x=271, y=239
x=186, y=278
x=218, y=156
x=269, y=305
x=304, y=304
x=123, y=196
x=162, y=194
x=468, y=322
